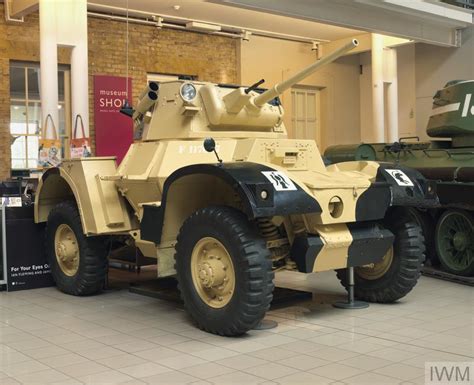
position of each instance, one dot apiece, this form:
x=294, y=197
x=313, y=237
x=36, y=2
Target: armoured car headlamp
x=188, y=92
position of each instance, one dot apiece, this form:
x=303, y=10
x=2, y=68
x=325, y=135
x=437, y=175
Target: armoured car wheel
x=397, y=273
x=224, y=271
x=455, y=242
x=427, y=224
x=78, y=263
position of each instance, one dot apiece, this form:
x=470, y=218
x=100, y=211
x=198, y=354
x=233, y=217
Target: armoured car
x=222, y=198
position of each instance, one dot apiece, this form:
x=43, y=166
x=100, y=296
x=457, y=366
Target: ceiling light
x=202, y=27
x=246, y=35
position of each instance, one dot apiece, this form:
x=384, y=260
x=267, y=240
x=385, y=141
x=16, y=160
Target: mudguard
x=264, y=192
x=395, y=185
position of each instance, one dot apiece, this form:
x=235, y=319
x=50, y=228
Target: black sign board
x=27, y=267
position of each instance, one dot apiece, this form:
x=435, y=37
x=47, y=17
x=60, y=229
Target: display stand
x=351, y=302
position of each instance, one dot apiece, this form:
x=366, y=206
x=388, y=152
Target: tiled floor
x=47, y=337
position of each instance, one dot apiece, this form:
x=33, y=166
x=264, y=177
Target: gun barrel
x=279, y=88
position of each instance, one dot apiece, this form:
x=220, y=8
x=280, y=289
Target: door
x=305, y=113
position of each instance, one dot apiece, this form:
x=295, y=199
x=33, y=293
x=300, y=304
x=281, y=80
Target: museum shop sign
x=113, y=130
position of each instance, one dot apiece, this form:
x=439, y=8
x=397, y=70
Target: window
x=25, y=112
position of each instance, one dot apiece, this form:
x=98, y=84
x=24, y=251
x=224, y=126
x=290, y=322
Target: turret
x=190, y=109
x=453, y=113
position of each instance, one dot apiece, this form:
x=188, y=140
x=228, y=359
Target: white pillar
x=79, y=68
x=392, y=94
x=64, y=23
x=48, y=66
x=378, y=130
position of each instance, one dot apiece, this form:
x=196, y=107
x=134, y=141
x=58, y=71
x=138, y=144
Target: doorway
x=305, y=119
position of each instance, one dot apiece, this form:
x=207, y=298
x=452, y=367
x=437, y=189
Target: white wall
x=275, y=60
x=435, y=66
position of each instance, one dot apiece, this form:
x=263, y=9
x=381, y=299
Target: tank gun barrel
x=279, y=88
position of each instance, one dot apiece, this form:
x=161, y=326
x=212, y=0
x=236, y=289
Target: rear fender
x=102, y=209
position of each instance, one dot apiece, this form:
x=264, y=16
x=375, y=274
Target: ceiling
x=213, y=12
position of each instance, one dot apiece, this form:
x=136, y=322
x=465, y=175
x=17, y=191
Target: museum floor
x=47, y=337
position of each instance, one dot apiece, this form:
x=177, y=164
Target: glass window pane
x=32, y=146
x=61, y=85
x=62, y=119
x=34, y=118
x=17, y=83
x=18, y=118
x=18, y=163
x=19, y=148
x=33, y=84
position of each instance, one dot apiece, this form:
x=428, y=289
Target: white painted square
x=279, y=180
x=400, y=177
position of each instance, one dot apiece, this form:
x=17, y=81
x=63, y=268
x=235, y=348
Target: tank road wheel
x=455, y=242
x=224, y=271
x=397, y=273
x=78, y=263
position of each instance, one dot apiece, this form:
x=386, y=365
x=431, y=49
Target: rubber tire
x=91, y=275
x=404, y=271
x=427, y=224
x=252, y=264
x=468, y=271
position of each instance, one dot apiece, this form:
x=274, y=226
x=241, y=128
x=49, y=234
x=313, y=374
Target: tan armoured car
x=223, y=226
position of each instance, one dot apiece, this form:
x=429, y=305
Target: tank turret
x=199, y=107
x=453, y=113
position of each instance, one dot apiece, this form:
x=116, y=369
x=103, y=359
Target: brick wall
x=210, y=58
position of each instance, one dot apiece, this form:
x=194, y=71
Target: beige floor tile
x=25, y=367
x=336, y=371
x=82, y=369
x=273, y=354
x=193, y=346
x=181, y=361
x=241, y=362
x=304, y=378
x=12, y=357
x=42, y=377
x=392, y=354
x=246, y=346
x=122, y=361
x=215, y=353
x=271, y=371
x=135, y=346
x=49, y=351
x=302, y=346
x=303, y=362
x=70, y=381
x=371, y=379
x=157, y=354
x=333, y=354
x=207, y=370
x=236, y=378
x=10, y=381
x=107, y=377
x=170, y=378
x=103, y=352
x=63, y=360
x=366, y=362
x=168, y=339
x=401, y=371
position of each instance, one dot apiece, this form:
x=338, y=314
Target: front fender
x=395, y=185
x=263, y=191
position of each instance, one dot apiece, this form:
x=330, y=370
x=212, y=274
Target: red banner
x=113, y=130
